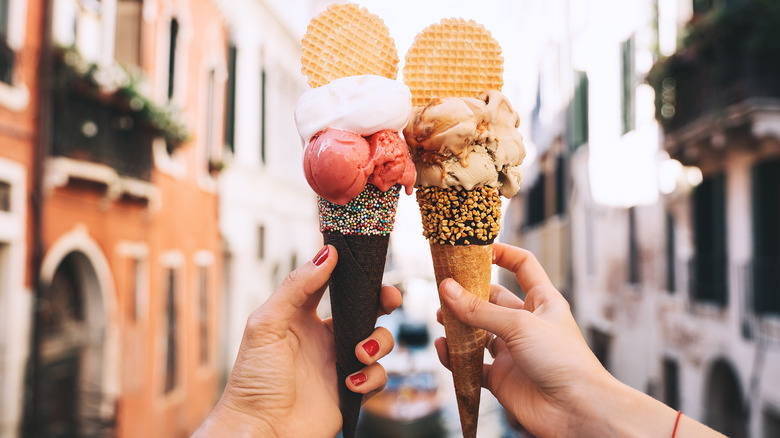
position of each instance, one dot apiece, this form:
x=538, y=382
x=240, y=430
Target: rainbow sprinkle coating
x=372, y=212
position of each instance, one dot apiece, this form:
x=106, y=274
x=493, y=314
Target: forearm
x=617, y=410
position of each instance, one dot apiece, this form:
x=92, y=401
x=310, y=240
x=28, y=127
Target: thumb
x=300, y=285
x=470, y=309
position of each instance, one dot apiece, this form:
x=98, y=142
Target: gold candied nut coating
x=453, y=58
x=456, y=216
x=347, y=40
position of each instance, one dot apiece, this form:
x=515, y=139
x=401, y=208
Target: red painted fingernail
x=371, y=347
x=321, y=256
x=358, y=379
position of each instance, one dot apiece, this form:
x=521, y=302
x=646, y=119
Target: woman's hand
x=543, y=372
x=284, y=379
x=541, y=362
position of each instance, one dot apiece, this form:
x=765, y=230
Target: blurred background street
x=152, y=196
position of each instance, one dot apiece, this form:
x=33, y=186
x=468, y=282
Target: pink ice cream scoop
x=338, y=164
x=391, y=161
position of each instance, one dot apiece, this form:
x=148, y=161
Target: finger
x=439, y=317
x=442, y=352
x=489, y=339
x=299, y=286
x=529, y=273
x=523, y=263
x=469, y=309
x=503, y=297
x=368, y=379
x=377, y=346
x=389, y=299
x=494, y=344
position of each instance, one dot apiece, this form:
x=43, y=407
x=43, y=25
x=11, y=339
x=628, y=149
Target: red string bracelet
x=676, y=422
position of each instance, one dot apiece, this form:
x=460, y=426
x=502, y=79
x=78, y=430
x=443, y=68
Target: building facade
x=118, y=333
x=650, y=198
x=19, y=44
x=268, y=213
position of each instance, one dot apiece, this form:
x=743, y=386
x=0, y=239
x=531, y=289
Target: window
x=766, y=236
x=771, y=423
x=171, y=354
x=702, y=6
x=230, y=99
x=578, y=135
x=7, y=56
x=174, y=36
x=671, y=254
x=633, y=248
x=560, y=185
x=628, y=84
x=5, y=196
x=210, y=116
x=262, y=115
x=204, y=315
x=536, y=202
x=127, y=42
x=671, y=376
x=134, y=280
x=261, y=242
x=708, y=270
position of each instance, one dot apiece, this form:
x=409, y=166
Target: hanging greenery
x=119, y=86
x=727, y=54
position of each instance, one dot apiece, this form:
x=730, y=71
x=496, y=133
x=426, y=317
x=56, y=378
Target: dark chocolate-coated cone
x=354, y=298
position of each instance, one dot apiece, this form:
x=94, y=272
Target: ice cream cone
x=469, y=265
x=460, y=226
x=464, y=142
x=355, y=160
x=354, y=296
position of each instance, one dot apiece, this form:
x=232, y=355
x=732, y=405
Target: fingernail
x=321, y=256
x=371, y=347
x=358, y=379
x=452, y=289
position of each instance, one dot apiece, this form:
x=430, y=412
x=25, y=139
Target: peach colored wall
x=18, y=128
x=185, y=222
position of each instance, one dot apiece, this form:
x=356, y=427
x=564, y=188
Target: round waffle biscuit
x=347, y=40
x=453, y=58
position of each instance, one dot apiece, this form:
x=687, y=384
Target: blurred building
x=651, y=191
x=114, y=333
x=19, y=44
x=268, y=213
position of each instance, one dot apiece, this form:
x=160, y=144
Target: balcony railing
x=731, y=56
x=759, y=291
x=90, y=128
x=756, y=290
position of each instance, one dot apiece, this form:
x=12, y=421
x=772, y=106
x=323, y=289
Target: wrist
x=618, y=410
x=225, y=421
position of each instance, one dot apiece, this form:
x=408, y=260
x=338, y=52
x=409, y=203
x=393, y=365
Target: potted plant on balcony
x=729, y=54
x=121, y=88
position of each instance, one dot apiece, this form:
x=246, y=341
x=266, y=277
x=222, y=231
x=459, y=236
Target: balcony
x=101, y=115
x=89, y=128
x=724, y=77
x=759, y=290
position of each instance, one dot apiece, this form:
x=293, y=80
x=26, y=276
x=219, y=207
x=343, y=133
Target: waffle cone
x=453, y=58
x=470, y=266
x=347, y=40
x=354, y=295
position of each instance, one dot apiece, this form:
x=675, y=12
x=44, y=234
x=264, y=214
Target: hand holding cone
x=351, y=63
x=464, y=142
